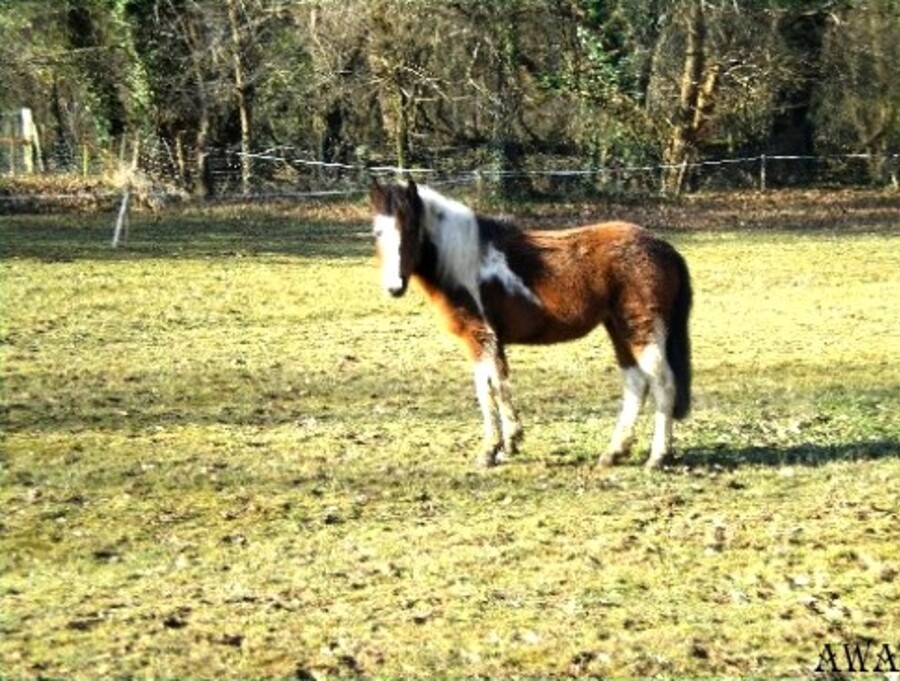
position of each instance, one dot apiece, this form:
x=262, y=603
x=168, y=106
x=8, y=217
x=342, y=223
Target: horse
x=495, y=284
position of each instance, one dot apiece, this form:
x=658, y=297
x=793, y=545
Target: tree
x=74, y=63
x=206, y=61
x=398, y=53
x=858, y=98
x=508, y=86
x=698, y=87
x=801, y=31
x=611, y=72
x=243, y=90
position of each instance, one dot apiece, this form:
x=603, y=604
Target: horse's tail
x=678, y=341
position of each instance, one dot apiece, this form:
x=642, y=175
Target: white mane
x=453, y=228
x=462, y=261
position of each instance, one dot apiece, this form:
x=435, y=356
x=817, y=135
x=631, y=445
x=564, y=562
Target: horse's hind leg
x=509, y=419
x=652, y=362
x=641, y=356
x=634, y=394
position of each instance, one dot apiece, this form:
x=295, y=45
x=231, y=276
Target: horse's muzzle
x=397, y=291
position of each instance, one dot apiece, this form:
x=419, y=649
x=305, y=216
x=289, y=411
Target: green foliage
x=587, y=79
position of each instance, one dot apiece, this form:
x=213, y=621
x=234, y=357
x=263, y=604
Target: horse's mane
x=498, y=230
x=494, y=229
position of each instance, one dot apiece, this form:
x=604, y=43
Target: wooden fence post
x=26, y=127
x=120, y=234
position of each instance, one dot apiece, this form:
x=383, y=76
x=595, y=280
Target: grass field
x=227, y=454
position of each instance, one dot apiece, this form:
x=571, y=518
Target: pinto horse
x=495, y=284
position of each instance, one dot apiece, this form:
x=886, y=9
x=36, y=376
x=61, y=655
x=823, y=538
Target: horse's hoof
x=491, y=457
x=609, y=459
x=511, y=443
x=657, y=463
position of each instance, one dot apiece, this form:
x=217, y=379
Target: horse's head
x=398, y=233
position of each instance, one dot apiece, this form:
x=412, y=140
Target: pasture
x=227, y=454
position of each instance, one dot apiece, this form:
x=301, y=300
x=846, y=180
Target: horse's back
x=573, y=277
x=607, y=256
x=607, y=270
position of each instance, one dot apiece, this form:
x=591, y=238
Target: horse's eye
x=377, y=233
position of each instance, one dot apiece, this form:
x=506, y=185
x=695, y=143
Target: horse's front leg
x=509, y=418
x=502, y=429
x=490, y=412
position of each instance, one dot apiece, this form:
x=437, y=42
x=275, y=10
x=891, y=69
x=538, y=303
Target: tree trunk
x=877, y=118
x=699, y=84
x=508, y=100
x=402, y=127
x=793, y=127
x=203, y=183
x=203, y=187
x=240, y=91
x=179, y=158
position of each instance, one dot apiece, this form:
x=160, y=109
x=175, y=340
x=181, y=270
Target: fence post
x=120, y=234
x=27, y=137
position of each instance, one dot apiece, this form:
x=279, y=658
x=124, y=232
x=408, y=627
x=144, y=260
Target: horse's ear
x=376, y=192
x=412, y=195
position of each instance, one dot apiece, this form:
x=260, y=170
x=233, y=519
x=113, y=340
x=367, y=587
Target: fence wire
x=167, y=173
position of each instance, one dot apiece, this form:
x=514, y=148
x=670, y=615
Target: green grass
x=227, y=454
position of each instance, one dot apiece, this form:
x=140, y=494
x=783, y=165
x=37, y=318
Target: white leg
x=501, y=423
x=509, y=419
x=484, y=375
x=662, y=438
x=653, y=363
x=635, y=391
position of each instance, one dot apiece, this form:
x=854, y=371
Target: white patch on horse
x=453, y=229
x=486, y=381
x=635, y=390
x=652, y=361
x=494, y=266
x=387, y=235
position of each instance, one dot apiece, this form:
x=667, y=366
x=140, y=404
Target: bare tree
x=861, y=52
x=699, y=84
x=239, y=37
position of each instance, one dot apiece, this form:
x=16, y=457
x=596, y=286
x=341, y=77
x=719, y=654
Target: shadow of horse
x=806, y=454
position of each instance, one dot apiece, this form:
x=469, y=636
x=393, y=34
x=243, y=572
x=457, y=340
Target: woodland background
x=235, y=95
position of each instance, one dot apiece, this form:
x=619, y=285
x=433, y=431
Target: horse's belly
x=549, y=330
x=517, y=320
x=563, y=334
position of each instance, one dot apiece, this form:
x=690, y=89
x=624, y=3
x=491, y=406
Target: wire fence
x=159, y=171
x=288, y=172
